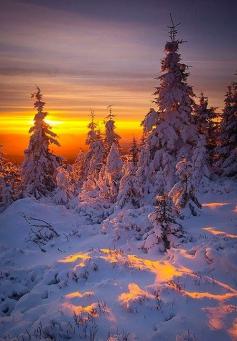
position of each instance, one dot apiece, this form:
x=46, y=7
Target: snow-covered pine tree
x=206, y=120
x=94, y=157
x=95, y=163
x=39, y=166
x=91, y=135
x=165, y=230
x=65, y=189
x=183, y=193
x=227, y=149
x=90, y=139
x=129, y=190
x=78, y=171
x=110, y=135
x=110, y=174
x=175, y=135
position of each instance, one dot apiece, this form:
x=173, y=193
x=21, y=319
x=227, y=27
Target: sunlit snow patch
x=214, y=205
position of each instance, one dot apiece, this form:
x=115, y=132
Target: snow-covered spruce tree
x=183, y=193
x=175, y=136
x=90, y=139
x=94, y=157
x=78, y=171
x=205, y=119
x=110, y=175
x=129, y=189
x=110, y=135
x=65, y=189
x=165, y=231
x=227, y=149
x=39, y=166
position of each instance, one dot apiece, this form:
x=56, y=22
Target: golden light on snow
x=220, y=297
x=217, y=232
x=84, y=312
x=79, y=309
x=134, y=293
x=215, y=204
x=205, y=294
x=165, y=273
x=163, y=270
x=78, y=294
x=74, y=257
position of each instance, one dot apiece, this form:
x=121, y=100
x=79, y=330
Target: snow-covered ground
x=94, y=281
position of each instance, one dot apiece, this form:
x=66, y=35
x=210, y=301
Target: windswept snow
x=95, y=282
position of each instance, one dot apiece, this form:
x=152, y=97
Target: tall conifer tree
x=39, y=166
x=94, y=158
x=110, y=135
x=175, y=136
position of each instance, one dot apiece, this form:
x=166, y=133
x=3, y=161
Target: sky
x=90, y=54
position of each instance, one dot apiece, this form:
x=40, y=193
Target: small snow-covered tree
x=129, y=190
x=183, y=193
x=175, y=136
x=65, y=189
x=206, y=120
x=89, y=164
x=227, y=149
x=129, y=194
x=78, y=171
x=94, y=158
x=165, y=230
x=110, y=174
x=92, y=132
x=39, y=166
x=110, y=135
x=95, y=155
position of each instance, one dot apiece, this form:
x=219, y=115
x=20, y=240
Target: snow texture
x=94, y=283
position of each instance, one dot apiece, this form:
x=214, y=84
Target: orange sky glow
x=71, y=131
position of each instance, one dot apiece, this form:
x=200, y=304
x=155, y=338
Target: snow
x=95, y=282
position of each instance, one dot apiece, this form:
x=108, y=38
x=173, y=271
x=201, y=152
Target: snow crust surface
x=94, y=281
